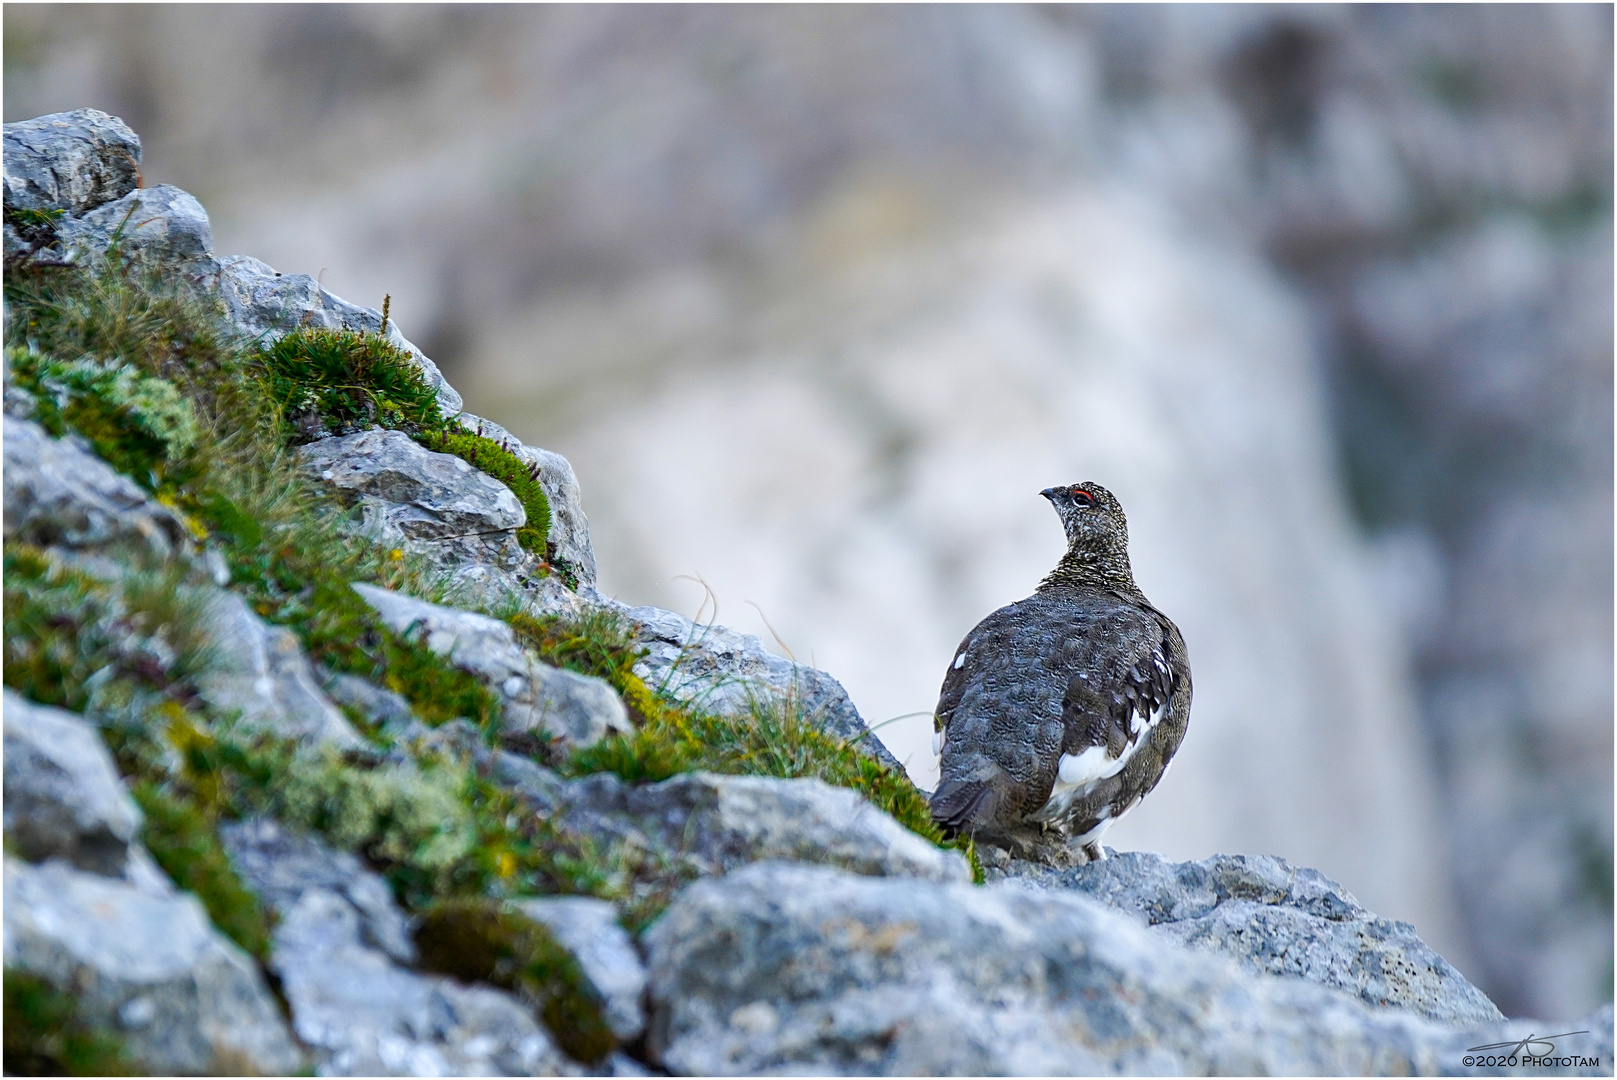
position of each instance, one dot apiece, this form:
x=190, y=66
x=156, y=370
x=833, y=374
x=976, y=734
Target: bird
x=1060, y=712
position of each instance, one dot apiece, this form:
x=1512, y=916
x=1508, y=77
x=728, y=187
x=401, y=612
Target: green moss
x=44, y=1035
x=485, y=454
x=184, y=841
x=140, y=424
x=349, y=378
x=486, y=940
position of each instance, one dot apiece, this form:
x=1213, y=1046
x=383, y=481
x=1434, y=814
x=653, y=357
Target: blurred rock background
x=817, y=299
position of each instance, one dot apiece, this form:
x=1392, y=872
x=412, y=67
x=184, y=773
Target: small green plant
x=44, y=1035
x=349, y=379
x=30, y=217
x=486, y=940
x=184, y=841
x=500, y=462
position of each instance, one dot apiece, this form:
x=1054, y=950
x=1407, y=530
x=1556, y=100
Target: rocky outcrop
x=161, y=224
x=719, y=823
x=341, y=952
x=147, y=966
x=63, y=798
x=415, y=498
x=1275, y=919
x=259, y=673
x=783, y=968
x=57, y=492
x=577, y=709
x=73, y=161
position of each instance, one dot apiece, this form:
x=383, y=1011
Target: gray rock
x=782, y=968
x=577, y=709
x=588, y=928
x=535, y=783
x=264, y=304
x=436, y=500
x=280, y=866
x=150, y=968
x=725, y=671
x=569, y=528
x=63, y=798
x=57, y=492
x=364, y=1015
x=161, y=224
x=1277, y=919
x=261, y=671
x=724, y=822
x=382, y=707
x=72, y=161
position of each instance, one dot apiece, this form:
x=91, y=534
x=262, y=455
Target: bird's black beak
x=1050, y=493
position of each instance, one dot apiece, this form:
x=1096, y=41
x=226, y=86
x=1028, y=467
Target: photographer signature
x=1506, y=1053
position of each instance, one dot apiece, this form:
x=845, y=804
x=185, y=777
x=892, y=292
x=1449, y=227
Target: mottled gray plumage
x=1061, y=711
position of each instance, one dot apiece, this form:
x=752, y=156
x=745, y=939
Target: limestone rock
x=63, y=798
x=382, y=707
x=57, y=492
x=366, y=1016
x=722, y=670
x=788, y=968
x=280, y=866
x=724, y=822
x=341, y=951
x=162, y=224
x=434, y=499
x=148, y=967
x=73, y=161
x=261, y=670
x=569, y=528
x=1277, y=919
x=577, y=709
x=588, y=928
x=264, y=304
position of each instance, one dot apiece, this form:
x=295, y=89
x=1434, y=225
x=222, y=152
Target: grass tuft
x=44, y=1035
x=184, y=840
x=349, y=380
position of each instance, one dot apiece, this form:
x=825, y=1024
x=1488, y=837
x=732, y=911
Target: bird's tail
x=962, y=806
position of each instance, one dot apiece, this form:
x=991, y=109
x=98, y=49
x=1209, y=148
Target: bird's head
x=1092, y=517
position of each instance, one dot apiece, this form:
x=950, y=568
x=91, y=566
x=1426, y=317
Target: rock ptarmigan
x=1060, y=712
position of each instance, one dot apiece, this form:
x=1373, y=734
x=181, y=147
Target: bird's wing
x=1121, y=686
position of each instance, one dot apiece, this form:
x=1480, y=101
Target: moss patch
x=349, y=380
x=45, y=1037
x=140, y=424
x=500, y=462
x=485, y=940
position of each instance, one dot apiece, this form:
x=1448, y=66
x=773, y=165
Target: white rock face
x=577, y=709
x=781, y=968
x=63, y=798
x=150, y=967
x=260, y=673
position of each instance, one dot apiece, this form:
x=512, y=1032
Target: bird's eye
x=1081, y=497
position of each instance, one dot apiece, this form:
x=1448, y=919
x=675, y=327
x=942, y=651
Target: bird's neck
x=1080, y=568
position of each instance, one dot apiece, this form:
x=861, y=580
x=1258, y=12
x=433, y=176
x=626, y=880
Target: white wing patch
x=1077, y=774
x=959, y=661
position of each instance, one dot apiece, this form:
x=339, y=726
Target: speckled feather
x=1084, y=662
